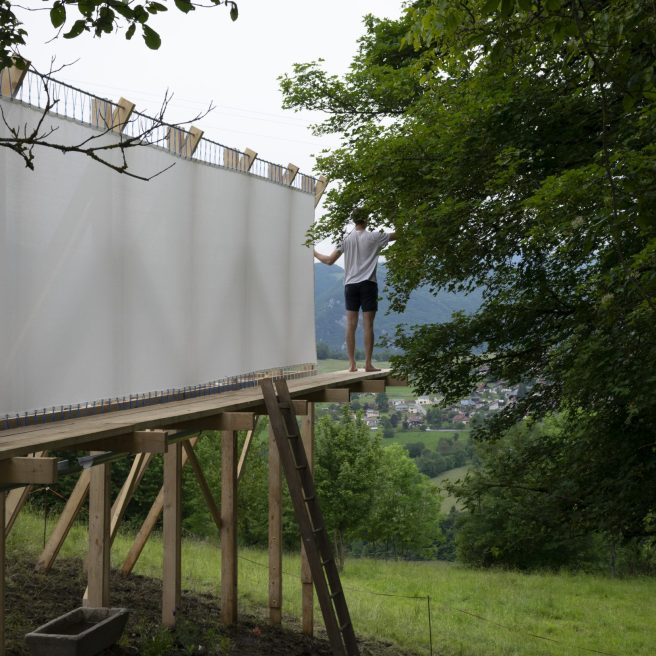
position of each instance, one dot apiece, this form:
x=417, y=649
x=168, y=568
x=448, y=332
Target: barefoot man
x=361, y=248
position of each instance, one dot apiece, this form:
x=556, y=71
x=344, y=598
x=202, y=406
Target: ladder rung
x=318, y=530
x=343, y=626
x=326, y=562
x=310, y=498
x=299, y=467
x=336, y=593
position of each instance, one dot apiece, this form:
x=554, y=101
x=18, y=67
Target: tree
x=510, y=144
x=347, y=458
x=96, y=17
x=382, y=402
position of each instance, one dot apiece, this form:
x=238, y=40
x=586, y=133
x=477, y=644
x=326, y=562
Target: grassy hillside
x=473, y=612
x=450, y=476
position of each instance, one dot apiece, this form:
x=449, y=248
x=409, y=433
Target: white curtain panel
x=112, y=286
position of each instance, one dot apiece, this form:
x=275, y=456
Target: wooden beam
x=99, y=542
x=2, y=574
x=195, y=135
x=122, y=113
x=16, y=499
x=131, y=483
x=145, y=441
x=290, y=174
x=319, y=189
x=300, y=408
x=329, y=395
x=244, y=451
x=202, y=483
x=65, y=521
x=25, y=471
x=148, y=525
x=249, y=159
x=368, y=386
x=11, y=79
x=228, y=527
x=275, y=532
x=307, y=588
x=391, y=381
x=171, y=535
x=221, y=421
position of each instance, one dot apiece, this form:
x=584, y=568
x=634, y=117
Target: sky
x=207, y=58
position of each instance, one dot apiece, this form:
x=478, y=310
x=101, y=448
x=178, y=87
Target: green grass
x=429, y=438
x=449, y=501
x=474, y=612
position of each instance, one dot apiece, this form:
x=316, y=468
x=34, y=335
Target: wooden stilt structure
x=275, y=532
x=99, y=543
x=171, y=537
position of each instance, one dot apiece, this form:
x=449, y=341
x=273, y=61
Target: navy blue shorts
x=361, y=295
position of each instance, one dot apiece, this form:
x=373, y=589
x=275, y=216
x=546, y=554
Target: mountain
x=422, y=307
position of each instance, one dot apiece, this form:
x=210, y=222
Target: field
x=429, y=438
x=449, y=502
x=472, y=612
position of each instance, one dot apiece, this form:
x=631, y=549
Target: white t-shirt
x=361, y=249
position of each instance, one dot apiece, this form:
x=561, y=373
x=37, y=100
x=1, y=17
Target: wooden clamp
x=289, y=176
x=391, y=381
x=320, y=187
x=11, y=79
x=184, y=143
x=28, y=471
x=329, y=395
x=107, y=116
x=375, y=386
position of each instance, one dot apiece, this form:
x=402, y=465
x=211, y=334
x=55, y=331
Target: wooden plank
x=300, y=408
x=307, y=588
x=2, y=574
x=368, y=387
x=228, y=527
x=136, y=442
x=195, y=135
x=25, y=470
x=16, y=499
x=65, y=521
x=99, y=542
x=290, y=174
x=122, y=114
x=172, y=535
x=249, y=158
x=202, y=483
x=275, y=532
x=392, y=381
x=148, y=525
x=132, y=481
x=244, y=451
x=65, y=434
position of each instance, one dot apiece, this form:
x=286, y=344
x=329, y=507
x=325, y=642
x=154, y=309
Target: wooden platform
x=75, y=433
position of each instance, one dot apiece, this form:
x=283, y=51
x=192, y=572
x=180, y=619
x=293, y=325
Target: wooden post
x=307, y=589
x=2, y=573
x=11, y=79
x=322, y=183
x=229, y=527
x=275, y=532
x=172, y=574
x=99, y=543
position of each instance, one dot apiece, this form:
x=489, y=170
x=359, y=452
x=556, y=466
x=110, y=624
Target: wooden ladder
x=310, y=519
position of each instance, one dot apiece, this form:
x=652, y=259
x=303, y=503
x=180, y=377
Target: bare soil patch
x=34, y=598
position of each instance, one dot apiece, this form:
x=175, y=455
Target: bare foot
x=371, y=368
x=353, y=368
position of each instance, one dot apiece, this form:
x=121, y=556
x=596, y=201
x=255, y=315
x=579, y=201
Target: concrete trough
x=82, y=632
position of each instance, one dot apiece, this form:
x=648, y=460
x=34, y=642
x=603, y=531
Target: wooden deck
x=75, y=433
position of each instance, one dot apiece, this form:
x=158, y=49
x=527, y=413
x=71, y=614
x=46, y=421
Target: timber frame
x=172, y=430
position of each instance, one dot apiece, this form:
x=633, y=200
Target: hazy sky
x=206, y=57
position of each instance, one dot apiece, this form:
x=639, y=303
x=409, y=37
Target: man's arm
x=328, y=259
x=391, y=236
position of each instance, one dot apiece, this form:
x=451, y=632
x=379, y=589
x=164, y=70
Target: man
x=361, y=249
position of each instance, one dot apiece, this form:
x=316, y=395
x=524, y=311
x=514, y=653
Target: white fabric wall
x=111, y=286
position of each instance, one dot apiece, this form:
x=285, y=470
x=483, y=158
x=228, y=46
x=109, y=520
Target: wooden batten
x=320, y=188
x=290, y=174
x=11, y=79
x=275, y=532
x=137, y=442
x=300, y=408
x=171, y=535
x=392, y=381
x=329, y=395
x=122, y=114
x=107, y=116
x=28, y=471
x=249, y=159
x=202, y=483
x=229, y=527
x=99, y=537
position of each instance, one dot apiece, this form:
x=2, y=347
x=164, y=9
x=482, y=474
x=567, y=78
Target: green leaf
x=507, y=7
x=130, y=33
x=155, y=7
x=58, y=14
x=78, y=27
x=152, y=39
x=184, y=6
x=234, y=12
x=525, y=5
x=490, y=6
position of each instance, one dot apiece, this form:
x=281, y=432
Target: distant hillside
x=422, y=308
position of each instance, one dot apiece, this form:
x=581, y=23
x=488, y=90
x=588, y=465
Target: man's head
x=360, y=217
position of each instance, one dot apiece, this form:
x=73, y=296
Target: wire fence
x=45, y=93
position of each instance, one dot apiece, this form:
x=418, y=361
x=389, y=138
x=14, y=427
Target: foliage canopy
x=511, y=146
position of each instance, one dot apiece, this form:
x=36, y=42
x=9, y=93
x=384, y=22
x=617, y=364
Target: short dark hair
x=359, y=216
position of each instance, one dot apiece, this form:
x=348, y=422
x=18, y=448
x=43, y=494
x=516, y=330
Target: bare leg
x=368, y=326
x=351, y=325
